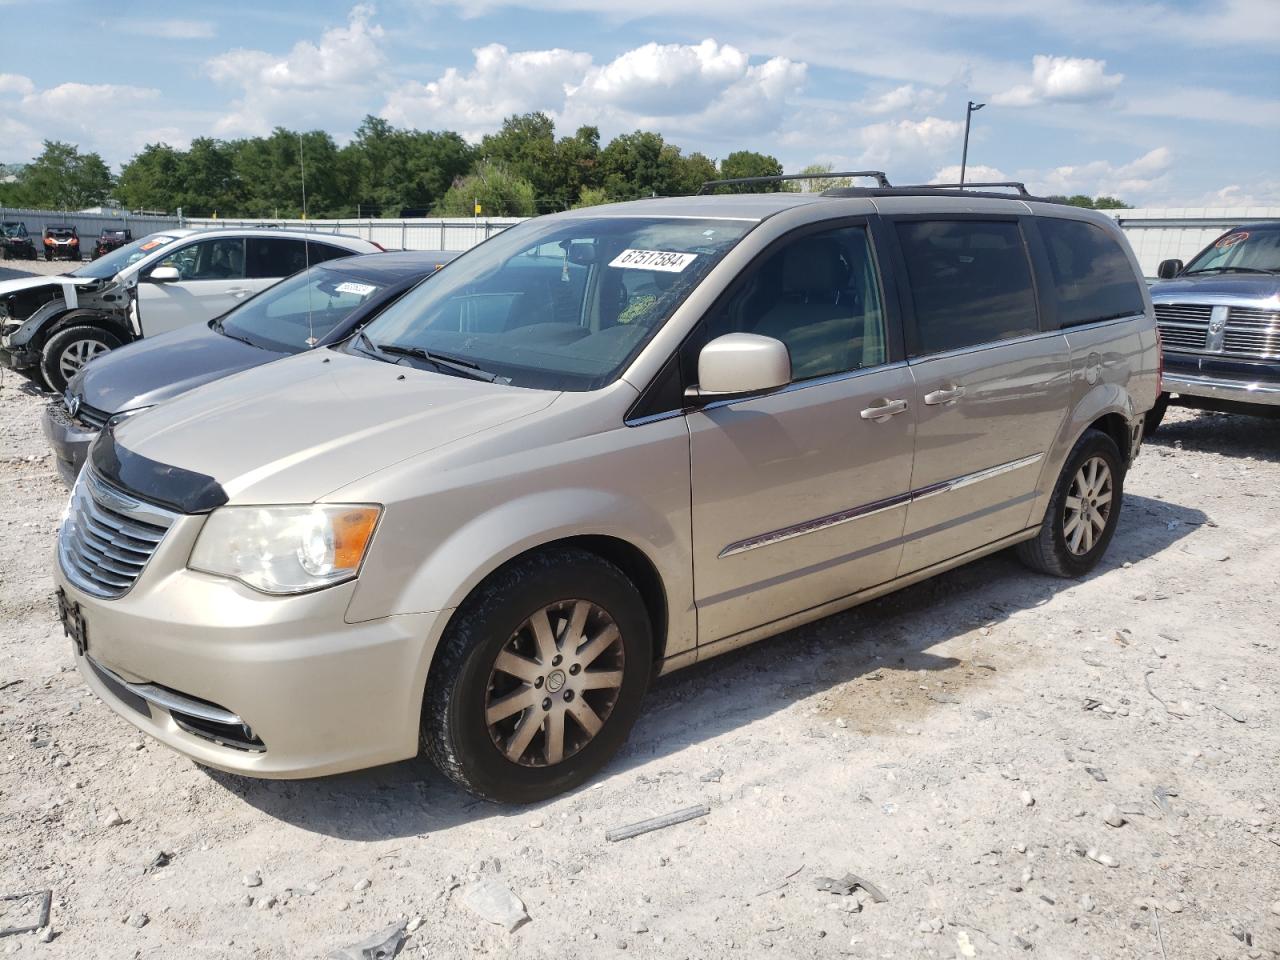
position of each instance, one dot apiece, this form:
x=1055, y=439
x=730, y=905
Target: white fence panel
x=1165, y=233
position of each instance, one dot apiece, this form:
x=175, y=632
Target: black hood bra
x=183, y=490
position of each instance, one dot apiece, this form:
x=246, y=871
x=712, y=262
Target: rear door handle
x=949, y=395
x=884, y=410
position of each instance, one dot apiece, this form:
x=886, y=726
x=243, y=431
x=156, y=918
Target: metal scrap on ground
x=43, y=901
x=383, y=945
x=657, y=823
x=847, y=884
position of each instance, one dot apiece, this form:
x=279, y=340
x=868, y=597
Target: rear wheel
x=1083, y=512
x=67, y=351
x=539, y=678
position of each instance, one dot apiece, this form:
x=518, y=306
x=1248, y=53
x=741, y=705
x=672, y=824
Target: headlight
x=290, y=549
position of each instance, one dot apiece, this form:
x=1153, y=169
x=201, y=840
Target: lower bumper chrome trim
x=170, y=700
x=1240, y=391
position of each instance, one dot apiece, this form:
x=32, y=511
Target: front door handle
x=883, y=410
x=239, y=291
x=948, y=395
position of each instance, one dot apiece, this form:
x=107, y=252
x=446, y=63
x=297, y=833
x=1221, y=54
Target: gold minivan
x=601, y=446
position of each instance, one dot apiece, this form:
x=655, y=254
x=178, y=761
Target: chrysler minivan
x=599, y=447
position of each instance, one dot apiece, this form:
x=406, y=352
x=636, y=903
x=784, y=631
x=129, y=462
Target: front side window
x=556, y=304
x=300, y=311
x=1246, y=250
x=1091, y=275
x=970, y=283
x=219, y=259
x=819, y=295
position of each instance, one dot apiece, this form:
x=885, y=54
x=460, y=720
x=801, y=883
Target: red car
x=109, y=240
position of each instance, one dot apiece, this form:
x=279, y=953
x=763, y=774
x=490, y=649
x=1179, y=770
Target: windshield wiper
x=440, y=361
x=217, y=327
x=1229, y=270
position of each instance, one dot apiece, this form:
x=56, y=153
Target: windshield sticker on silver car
x=156, y=242
x=359, y=289
x=667, y=261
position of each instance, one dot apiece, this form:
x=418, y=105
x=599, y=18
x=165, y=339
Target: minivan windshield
x=299, y=312
x=561, y=304
x=1246, y=250
x=108, y=265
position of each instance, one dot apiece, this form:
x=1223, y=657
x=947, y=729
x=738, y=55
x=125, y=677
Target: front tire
x=1083, y=511
x=67, y=351
x=539, y=677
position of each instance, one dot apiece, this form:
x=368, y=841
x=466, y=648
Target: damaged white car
x=50, y=327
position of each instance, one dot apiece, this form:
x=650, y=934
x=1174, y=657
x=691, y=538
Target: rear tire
x=1083, y=512
x=1155, y=416
x=67, y=351
x=576, y=632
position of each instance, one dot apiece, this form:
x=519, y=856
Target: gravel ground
x=961, y=745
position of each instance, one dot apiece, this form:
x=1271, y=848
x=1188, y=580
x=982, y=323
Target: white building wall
x=1165, y=233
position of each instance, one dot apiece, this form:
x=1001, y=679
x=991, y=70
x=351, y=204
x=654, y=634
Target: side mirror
x=1169, y=269
x=164, y=275
x=739, y=364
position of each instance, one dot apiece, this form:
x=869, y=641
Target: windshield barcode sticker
x=664, y=260
x=359, y=289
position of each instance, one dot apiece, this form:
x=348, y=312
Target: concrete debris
x=1027, y=799
x=137, y=920
x=1112, y=816
x=364, y=883
x=383, y=945
x=712, y=776
x=252, y=879
x=493, y=901
x=845, y=885
x=1096, y=773
x=1103, y=858
x=112, y=818
x=657, y=823
x=414, y=924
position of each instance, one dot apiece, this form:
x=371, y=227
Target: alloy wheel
x=1088, y=506
x=554, y=683
x=77, y=353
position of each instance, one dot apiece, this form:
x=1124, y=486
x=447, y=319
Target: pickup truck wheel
x=1155, y=416
x=1083, y=512
x=539, y=678
x=67, y=351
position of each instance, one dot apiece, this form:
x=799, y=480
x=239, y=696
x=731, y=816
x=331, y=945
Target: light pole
x=969, y=111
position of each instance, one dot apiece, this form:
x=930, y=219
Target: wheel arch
x=85, y=318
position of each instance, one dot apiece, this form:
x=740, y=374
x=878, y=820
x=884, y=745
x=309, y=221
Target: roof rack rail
x=877, y=175
x=1015, y=184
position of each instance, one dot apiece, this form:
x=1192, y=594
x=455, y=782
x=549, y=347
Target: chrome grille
x=1183, y=326
x=108, y=536
x=92, y=417
x=1252, y=332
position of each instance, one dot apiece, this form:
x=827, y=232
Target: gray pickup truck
x=1219, y=319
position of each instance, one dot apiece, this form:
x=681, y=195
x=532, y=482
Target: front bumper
x=70, y=441
x=1219, y=388
x=320, y=695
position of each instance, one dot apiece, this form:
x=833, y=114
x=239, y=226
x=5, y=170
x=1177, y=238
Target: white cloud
x=322, y=83
x=907, y=97
x=1061, y=80
x=173, y=29
x=708, y=89
x=1135, y=179
x=904, y=143
x=973, y=173
x=15, y=83
x=499, y=84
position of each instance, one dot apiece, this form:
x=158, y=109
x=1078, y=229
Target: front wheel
x=1083, y=511
x=67, y=351
x=539, y=677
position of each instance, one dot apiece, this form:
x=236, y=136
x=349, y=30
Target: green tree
x=152, y=180
x=526, y=148
x=498, y=190
x=578, y=163
x=819, y=183
x=208, y=182
x=64, y=178
x=748, y=163
x=632, y=166
x=1109, y=203
x=591, y=197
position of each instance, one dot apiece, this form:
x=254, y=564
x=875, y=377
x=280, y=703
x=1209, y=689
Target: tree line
x=385, y=171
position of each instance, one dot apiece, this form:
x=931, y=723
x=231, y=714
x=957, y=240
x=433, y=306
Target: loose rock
x=492, y=900
x=1112, y=816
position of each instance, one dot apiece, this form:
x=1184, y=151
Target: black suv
x=109, y=240
x=1219, y=318
x=15, y=242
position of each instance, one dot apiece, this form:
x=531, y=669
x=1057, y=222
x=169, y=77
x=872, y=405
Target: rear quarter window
x=1092, y=277
x=970, y=283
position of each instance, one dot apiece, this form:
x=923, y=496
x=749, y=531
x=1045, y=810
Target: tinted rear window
x=1091, y=274
x=970, y=283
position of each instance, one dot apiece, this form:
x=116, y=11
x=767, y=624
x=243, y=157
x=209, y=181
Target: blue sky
x=1160, y=103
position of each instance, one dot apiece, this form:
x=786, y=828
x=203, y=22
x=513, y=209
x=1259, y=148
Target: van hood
x=160, y=368
x=1233, y=285
x=295, y=430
